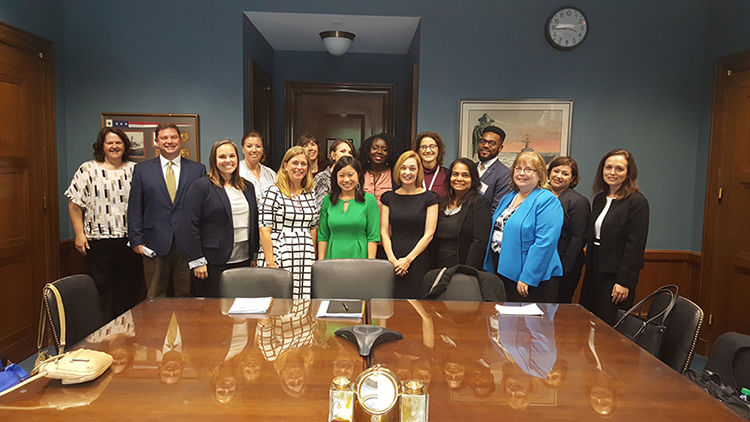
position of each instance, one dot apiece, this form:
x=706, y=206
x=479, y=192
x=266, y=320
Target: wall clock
x=566, y=29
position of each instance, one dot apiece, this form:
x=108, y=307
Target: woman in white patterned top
x=98, y=204
x=339, y=148
x=289, y=222
x=252, y=168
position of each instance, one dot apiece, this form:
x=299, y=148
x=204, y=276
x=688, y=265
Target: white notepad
x=250, y=305
x=340, y=309
x=523, y=310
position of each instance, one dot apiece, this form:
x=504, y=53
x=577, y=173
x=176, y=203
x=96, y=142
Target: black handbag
x=647, y=332
x=711, y=382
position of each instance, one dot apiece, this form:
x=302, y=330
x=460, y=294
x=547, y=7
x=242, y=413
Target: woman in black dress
x=407, y=224
x=463, y=228
x=618, y=228
x=563, y=177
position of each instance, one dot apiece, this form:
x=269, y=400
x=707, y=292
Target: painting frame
x=530, y=123
x=140, y=129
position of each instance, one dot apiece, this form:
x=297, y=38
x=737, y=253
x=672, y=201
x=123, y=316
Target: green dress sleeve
x=373, y=218
x=324, y=233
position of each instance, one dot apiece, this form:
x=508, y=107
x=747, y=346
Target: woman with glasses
x=431, y=150
x=525, y=232
x=618, y=228
x=463, y=228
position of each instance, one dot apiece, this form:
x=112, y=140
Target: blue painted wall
x=640, y=81
x=43, y=18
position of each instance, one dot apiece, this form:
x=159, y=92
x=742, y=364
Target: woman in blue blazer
x=525, y=232
x=221, y=220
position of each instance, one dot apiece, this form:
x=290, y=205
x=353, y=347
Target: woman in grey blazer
x=617, y=238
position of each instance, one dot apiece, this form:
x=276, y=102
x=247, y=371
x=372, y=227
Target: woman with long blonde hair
x=289, y=221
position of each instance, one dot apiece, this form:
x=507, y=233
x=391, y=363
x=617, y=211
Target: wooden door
x=726, y=240
x=330, y=111
x=29, y=234
x=261, y=107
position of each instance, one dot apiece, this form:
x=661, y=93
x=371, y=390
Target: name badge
x=483, y=189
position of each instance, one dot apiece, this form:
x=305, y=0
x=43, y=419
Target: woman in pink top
x=378, y=155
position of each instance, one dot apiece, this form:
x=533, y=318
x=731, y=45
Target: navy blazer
x=497, y=179
x=208, y=223
x=153, y=220
x=530, y=236
x=623, y=237
x=575, y=228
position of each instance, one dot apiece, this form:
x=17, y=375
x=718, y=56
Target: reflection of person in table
x=288, y=341
x=118, y=339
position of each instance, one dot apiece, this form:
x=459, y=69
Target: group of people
x=526, y=223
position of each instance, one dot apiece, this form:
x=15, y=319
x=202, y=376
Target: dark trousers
x=596, y=291
x=546, y=292
x=209, y=287
x=161, y=271
x=118, y=274
x=569, y=282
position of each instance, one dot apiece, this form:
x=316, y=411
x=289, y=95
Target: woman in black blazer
x=220, y=220
x=617, y=238
x=463, y=228
x=563, y=177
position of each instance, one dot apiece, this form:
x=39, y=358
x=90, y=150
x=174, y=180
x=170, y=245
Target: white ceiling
x=299, y=31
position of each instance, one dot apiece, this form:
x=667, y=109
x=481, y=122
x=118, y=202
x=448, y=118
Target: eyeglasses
x=430, y=147
x=524, y=170
x=483, y=141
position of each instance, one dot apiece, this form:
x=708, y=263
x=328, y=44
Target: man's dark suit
x=209, y=229
x=153, y=219
x=497, y=179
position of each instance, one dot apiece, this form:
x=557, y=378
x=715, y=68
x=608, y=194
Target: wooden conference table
x=186, y=359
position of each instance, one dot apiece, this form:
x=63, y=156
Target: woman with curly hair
x=378, y=156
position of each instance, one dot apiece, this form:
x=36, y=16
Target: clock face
x=566, y=29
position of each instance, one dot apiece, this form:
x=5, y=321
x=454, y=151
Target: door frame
x=293, y=90
x=717, y=150
x=47, y=148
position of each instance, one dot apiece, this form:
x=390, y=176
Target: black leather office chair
x=683, y=326
x=362, y=279
x=461, y=283
x=256, y=282
x=83, y=315
x=730, y=358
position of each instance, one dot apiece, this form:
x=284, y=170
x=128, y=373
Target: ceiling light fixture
x=337, y=42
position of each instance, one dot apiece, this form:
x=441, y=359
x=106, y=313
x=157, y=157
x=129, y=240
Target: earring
x=359, y=186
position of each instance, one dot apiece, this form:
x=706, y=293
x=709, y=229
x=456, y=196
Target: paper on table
x=250, y=305
x=343, y=309
x=524, y=310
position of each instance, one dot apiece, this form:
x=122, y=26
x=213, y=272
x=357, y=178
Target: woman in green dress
x=349, y=217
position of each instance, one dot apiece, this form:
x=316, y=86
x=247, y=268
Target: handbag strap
x=45, y=311
x=664, y=312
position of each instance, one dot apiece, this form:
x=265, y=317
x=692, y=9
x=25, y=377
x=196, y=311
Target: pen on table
x=345, y=306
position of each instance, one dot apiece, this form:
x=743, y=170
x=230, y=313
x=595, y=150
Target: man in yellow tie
x=157, y=198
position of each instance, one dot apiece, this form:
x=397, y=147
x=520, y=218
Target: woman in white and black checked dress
x=289, y=221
